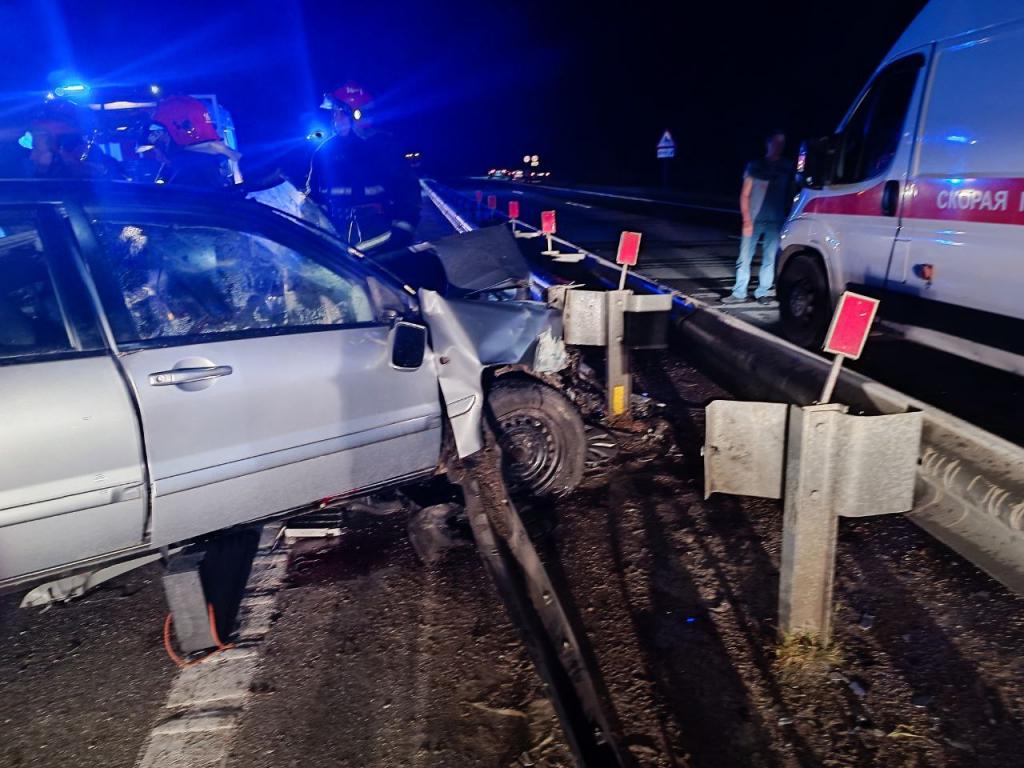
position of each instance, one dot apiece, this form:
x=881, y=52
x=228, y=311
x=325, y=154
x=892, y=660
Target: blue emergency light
x=71, y=88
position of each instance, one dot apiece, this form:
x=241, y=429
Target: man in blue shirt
x=764, y=203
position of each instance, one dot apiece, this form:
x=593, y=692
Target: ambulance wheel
x=541, y=435
x=805, y=305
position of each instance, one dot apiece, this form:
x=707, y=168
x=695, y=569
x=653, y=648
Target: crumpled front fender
x=470, y=336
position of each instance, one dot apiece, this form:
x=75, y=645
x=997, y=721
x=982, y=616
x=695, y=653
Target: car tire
x=805, y=305
x=541, y=435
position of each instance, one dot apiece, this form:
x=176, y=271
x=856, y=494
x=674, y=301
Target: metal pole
x=809, y=524
x=833, y=377
x=619, y=377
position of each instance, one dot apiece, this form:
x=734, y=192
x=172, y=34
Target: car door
x=72, y=483
x=857, y=213
x=261, y=366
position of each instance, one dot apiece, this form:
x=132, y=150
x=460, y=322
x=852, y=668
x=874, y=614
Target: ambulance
x=918, y=198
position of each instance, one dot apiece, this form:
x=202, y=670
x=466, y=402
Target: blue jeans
x=766, y=276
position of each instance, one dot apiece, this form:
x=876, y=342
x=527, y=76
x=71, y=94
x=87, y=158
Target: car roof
x=123, y=193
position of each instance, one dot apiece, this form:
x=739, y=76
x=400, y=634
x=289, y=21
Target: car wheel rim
x=530, y=451
x=801, y=303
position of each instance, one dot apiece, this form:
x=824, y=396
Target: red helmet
x=350, y=96
x=186, y=119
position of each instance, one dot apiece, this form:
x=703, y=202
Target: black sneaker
x=765, y=300
x=730, y=299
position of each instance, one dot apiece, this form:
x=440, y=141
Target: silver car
x=173, y=365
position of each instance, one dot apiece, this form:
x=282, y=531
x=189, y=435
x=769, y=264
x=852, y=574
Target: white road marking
x=578, y=205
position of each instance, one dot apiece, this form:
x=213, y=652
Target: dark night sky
x=477, y=85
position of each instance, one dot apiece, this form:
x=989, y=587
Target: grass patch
x=800, y=653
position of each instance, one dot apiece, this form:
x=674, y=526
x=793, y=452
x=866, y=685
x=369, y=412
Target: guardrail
x=970, y=483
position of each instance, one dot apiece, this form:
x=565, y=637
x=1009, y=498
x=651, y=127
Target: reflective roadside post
x=548, y=227
x=513, y=214
x=847, y=334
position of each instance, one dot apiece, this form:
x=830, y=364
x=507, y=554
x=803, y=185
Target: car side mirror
x=408, y=345
x=813, y=164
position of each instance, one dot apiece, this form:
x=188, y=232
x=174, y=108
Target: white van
x=919, y=196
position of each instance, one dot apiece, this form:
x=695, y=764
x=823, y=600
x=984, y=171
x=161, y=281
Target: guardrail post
x=836, y=465
x=619, y=380
x=810, y=524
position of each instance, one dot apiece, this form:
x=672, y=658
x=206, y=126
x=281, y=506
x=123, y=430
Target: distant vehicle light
x=535, y=160
x=50, y=96
x=358, y=114
x=154, y=89
x=26, y=140
x=526, y=158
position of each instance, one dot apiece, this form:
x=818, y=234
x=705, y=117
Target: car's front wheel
x=541, y=435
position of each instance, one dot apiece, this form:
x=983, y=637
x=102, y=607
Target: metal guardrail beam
x=970, y=483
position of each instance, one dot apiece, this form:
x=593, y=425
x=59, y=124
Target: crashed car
x=174, y=364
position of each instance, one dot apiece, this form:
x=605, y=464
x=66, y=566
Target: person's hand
x=748, y=228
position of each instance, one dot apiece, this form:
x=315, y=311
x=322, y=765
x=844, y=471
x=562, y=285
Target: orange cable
x=180, y=662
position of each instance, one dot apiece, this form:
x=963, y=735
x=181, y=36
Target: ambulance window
x=972, y=124
x=871, y=136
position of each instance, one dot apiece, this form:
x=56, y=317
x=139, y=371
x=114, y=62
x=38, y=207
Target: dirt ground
x=377, y=660
x=678, y=596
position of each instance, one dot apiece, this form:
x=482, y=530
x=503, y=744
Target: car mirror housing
x=408, y=345
x=813, y=164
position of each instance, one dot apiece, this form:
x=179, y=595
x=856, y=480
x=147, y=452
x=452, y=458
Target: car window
x=188, y=281
x=31, y=320
x=871, y=136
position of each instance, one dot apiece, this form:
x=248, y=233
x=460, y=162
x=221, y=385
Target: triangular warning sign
x=666, y=142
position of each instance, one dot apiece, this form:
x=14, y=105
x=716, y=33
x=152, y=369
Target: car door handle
x=177, y=376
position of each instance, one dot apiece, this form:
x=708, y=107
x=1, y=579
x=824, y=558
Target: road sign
x=629, y=248
x=492, y=201
x=850, y=325
x=666, y=147
x=513, y=209
x=547, y=222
